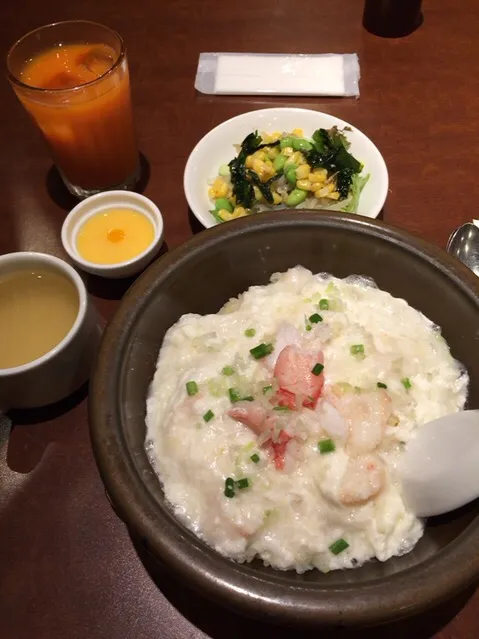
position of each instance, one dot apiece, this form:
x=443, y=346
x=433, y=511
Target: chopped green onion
x=234, y=395
x=381, y=385
x=261, y=350
x=250, y=332
x=191, y=388
x=208, y=416
x=357, y=349
x=266, y=389
x=228, y=371
x=326, y=446
x=324, y=305
x=338, y=546
x=242, y=483
x=406, y=382
x=308, y=327
x=283, y=409
x=315, y=318
x=317, y=369
x=229, y=487
x=255, y=458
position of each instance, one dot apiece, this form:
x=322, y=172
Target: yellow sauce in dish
x=114, y=236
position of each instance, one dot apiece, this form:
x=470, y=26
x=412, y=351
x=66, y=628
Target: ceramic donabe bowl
x=199, y=277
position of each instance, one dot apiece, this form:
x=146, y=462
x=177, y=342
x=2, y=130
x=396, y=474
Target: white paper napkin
x=330, y=74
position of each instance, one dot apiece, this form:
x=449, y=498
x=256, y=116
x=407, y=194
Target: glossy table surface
x=67, y=565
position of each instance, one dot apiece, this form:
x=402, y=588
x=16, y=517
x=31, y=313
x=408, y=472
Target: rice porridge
x=276, y=424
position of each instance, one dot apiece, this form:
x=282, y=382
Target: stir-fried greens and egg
x=288, y=170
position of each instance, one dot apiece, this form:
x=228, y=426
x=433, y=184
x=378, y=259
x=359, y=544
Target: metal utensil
x=464, y=244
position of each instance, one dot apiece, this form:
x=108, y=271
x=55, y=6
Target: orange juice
x=79, y=96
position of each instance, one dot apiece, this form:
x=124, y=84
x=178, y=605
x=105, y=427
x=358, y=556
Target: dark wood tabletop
x=68, y=567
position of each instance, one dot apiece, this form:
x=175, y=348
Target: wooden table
x=67, y=565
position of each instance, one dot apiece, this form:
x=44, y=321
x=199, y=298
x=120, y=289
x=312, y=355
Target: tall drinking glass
x=72, y=78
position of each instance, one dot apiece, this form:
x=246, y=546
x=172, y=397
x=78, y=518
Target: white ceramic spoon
x=439, y=469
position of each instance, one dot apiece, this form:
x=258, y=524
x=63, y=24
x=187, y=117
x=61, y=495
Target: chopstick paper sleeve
x=328, y=74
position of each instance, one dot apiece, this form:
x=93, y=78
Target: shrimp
x=332, y=421
x=286, y=335
x=296, y=380
x=263, y=423
x=363, y=479
x=253, y=415
x=279, y=449
x=367, y=415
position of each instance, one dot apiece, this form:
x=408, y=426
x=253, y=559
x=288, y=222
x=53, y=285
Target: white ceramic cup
x=101, y=202
x=62, y=370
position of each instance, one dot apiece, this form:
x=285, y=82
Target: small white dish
x=216, y=148
x=102, y=202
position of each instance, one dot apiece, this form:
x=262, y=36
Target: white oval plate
x=216, y=148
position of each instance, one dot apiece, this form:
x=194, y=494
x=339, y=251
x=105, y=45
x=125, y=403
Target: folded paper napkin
x=330, y=74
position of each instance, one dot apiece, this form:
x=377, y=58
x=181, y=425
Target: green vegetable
x=315, y=318
x=250, y=332
x=323, y=305
x=296, y=197
x=357, y=349
x=321, y=140
x=345, y=160
x=243, y=483
x=300, y=144
x=286, y=142
x=406, y=382
x=224, y=170
x=217, y=386
x=255, y=458
x=228, y=371
x=357, y=185
x=381, y=385
x=338, y=546
x=267, y=145
x=208, y=416
x=338, y=138
x=229, y=487
x=214, y=213
x=242, y=187
x=326, y=446
x=234, y=395
x=223, y=203
x=264, y=187
x=308, y=327
x=266, y=389
x=282, y=409
x=317, y=369
x=344, y=180
x=291, y=175
x=250, y=144
x=331, y=153
x=191, y=388
x=279, y=162
x=261, y=350
x=247, y=398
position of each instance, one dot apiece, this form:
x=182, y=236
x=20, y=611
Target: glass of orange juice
x=72, y=78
